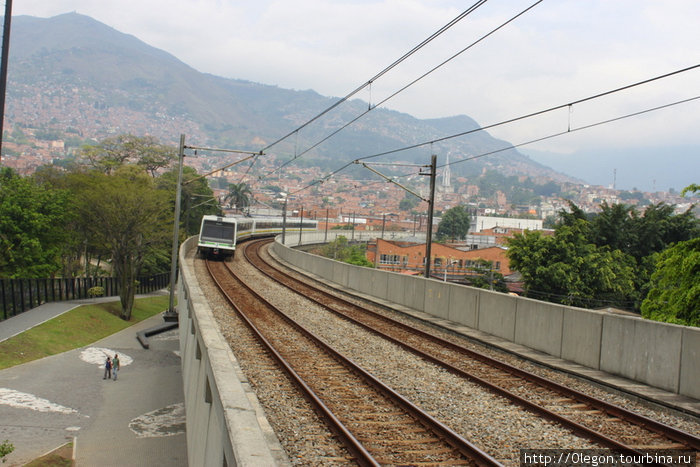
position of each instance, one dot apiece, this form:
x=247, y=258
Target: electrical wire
x=391, y=96
x=592, y=302
x=415, y=49
x=573, y=130
x=533, y=114
x=512, y=146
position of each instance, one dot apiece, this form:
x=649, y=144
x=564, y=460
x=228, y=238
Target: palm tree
x=238, y=196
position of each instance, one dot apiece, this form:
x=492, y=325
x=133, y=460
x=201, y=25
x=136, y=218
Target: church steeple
x=446, y=174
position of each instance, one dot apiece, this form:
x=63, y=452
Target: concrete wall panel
x=690, y=363
x=642, y=350
x=464, y=306
x=538, y=325
x=658, y=354
x=437, y=298
x=406, y=290
x=581, y=336
x=379, y=283
x=356, y=278
x=324, y=268
x=497, y=314
x=617, y=354
x=398, y=289
x=217, y=433
x=340, y=274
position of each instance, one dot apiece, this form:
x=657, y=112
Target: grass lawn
x=76, y=328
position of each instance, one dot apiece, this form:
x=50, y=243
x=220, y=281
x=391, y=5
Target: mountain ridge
x=97, y=73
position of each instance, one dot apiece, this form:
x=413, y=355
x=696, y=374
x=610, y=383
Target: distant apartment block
x=481, y=223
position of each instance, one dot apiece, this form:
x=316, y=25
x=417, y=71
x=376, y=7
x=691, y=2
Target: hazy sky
x=558, y=52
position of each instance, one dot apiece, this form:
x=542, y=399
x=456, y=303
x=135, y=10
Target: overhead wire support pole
x=431, y=206
x=4, y=63
x=237, y=151
x=430, y=201
x=171, y=314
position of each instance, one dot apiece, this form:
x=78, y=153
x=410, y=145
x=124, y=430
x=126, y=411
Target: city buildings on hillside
x=409, y=258
x=375, y=203
x=483, y=223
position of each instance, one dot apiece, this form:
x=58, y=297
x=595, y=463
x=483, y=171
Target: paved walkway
x=137, y=420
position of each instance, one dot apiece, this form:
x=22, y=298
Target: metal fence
x=20, y=295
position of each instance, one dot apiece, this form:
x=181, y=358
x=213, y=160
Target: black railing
x=20, y=295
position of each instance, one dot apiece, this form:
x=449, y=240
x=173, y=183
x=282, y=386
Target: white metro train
x=218, y=235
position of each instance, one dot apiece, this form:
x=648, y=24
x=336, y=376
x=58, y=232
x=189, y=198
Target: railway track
x=377, y=425
x=604, y=423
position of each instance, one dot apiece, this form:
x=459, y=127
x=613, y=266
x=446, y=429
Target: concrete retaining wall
x=657, y=354
x=222, y=424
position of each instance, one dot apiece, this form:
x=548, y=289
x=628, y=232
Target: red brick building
x=409, y=258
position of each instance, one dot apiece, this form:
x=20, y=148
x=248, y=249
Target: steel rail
x=463, y=445
x=652, y=425
x=467, y=449
x=353, y=445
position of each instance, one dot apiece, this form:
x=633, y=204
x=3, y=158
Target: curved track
x=602, y=422
x=377, y=425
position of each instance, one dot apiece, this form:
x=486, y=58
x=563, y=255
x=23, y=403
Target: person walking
x=108, y=369
x=115, y=366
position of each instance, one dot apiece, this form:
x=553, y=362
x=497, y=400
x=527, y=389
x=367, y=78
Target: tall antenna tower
x=614, y=179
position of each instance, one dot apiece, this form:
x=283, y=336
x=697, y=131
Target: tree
x=614, y=227
x=692, y=188
x=570, y=218
x=408, y=202
x=197, y=198
x=238, y=195
x=82, y=251
x=454, y=224
x=115, y=152
x=483, y=276
x=567, y=268
x=659, y=227
x=340, y=249
x=6, y=448
x=33, y=219
x=130, y=216
x=674, y=296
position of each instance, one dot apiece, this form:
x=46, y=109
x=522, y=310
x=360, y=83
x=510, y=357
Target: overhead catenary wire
x=402, y=89
x=415, y=49
x=554, y=135
x=573, y=130
x=516, y=119
x=534, y=114
x=509, y=147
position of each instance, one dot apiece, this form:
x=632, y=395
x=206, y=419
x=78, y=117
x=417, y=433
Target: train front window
x=218, y=231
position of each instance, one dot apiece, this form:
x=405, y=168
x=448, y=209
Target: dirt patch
x=60, y=457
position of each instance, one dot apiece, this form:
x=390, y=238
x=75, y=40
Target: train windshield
x=218, y=231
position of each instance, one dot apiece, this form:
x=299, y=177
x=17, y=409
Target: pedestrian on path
x=108, y=369
x=115, y=366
